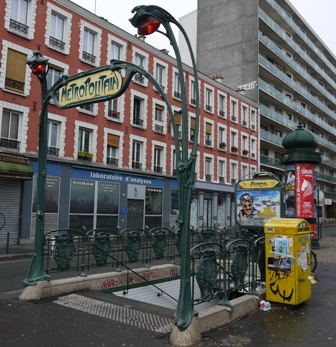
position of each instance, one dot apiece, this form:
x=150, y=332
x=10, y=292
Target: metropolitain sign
x=88, y=87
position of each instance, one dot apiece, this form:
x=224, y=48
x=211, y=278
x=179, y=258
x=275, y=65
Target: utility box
x=287, y=252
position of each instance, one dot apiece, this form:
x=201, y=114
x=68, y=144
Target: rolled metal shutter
x=10, y=202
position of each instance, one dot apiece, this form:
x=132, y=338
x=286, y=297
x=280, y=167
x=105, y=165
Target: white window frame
x=143, y=141
x=85, y=26
x=222, y=104
x=93, y=139
x=61, y=132
x=144, y=108
x=164, y=73
x=163, y=155
x=139, y=79
x=208, y=98
x=23, y=122
x=156, y=123
x=234, y=110
x=31, y=20
x=67, y=17
x=120, y=150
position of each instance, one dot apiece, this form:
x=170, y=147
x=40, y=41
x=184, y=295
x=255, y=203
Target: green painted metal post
x=148, y=19
x=39, y=66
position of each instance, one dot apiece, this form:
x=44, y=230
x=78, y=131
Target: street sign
x=88, y=87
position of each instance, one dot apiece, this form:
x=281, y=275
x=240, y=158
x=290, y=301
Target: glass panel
x=153, y=201
x=108, y=198
x=82, y=196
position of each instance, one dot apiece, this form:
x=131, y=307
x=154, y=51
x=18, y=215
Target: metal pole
x=36, y=271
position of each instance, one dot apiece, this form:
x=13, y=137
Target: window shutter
x=112, y=140
x=193, y=123
x=15, y=70
x=208, y=128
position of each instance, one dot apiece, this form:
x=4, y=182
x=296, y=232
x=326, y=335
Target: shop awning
x=15, y=170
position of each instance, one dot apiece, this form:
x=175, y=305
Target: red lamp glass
x=148, y=26
x=39, y=70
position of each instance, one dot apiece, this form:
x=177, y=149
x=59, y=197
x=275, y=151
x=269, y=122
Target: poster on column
x=304, y=190
x=290, y=205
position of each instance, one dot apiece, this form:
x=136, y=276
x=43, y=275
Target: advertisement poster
x=256, y=207
x=305, y=190
x=290, y=204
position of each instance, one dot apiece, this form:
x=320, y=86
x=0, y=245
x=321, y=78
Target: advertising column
x=299, y=193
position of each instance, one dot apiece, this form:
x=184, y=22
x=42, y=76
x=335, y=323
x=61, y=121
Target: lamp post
x=148, y=19
x=39, y=66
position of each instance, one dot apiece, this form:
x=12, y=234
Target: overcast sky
x=321, y=19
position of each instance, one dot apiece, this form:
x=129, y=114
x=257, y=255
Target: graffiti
x=111, y=283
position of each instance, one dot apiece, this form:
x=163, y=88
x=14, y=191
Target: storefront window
x=51, y=194
x=153, y=209
x=91, y=209
x=221, y=217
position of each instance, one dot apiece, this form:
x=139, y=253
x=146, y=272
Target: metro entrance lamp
x=39, y=66
x=148, y=19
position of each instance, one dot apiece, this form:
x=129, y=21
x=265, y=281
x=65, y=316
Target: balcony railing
x=138, y=121
x=52, y=151
x=89, y=57
x=136, y=165
x=139, y=78
x=177, y=94
x=158, y=128
x=158, y=169
x=19, y=27
x=85, y=156
x=56, y=43
x=208, y=108
x=208, y=142
x=208, y=177
x=114, y=114
x=7, y=143
x=112, y=161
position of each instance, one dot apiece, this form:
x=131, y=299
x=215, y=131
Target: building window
x=234, y=111
x=221, y=171
x=208, y=100
x=222, y=139
x=244, y=171
x=89, y=46
x=159, y=75
x=192, y=128
x=54, y=74
x=253, y=120
x=158, y=159
x=192, y=93
x=19, y=16
x=233, y=173
x=15, y=71
x=57, y=26
x=177, y=117
x=113, y=108
x=221, y=105
x=112, y=153
x=253, y=148
x=244, y=146
x=138, y=110
x=10, y=123
x=208, y=134
x=208, y=169
x=234, y=142
x=158, y=119
x=137, y=155
x=177, y=86
x=84, y=144
x=244, y=116
x=52, y=138
x=153, y=209
x=115, y=51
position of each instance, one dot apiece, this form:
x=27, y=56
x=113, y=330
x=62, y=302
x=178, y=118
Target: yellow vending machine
x=287, y=251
